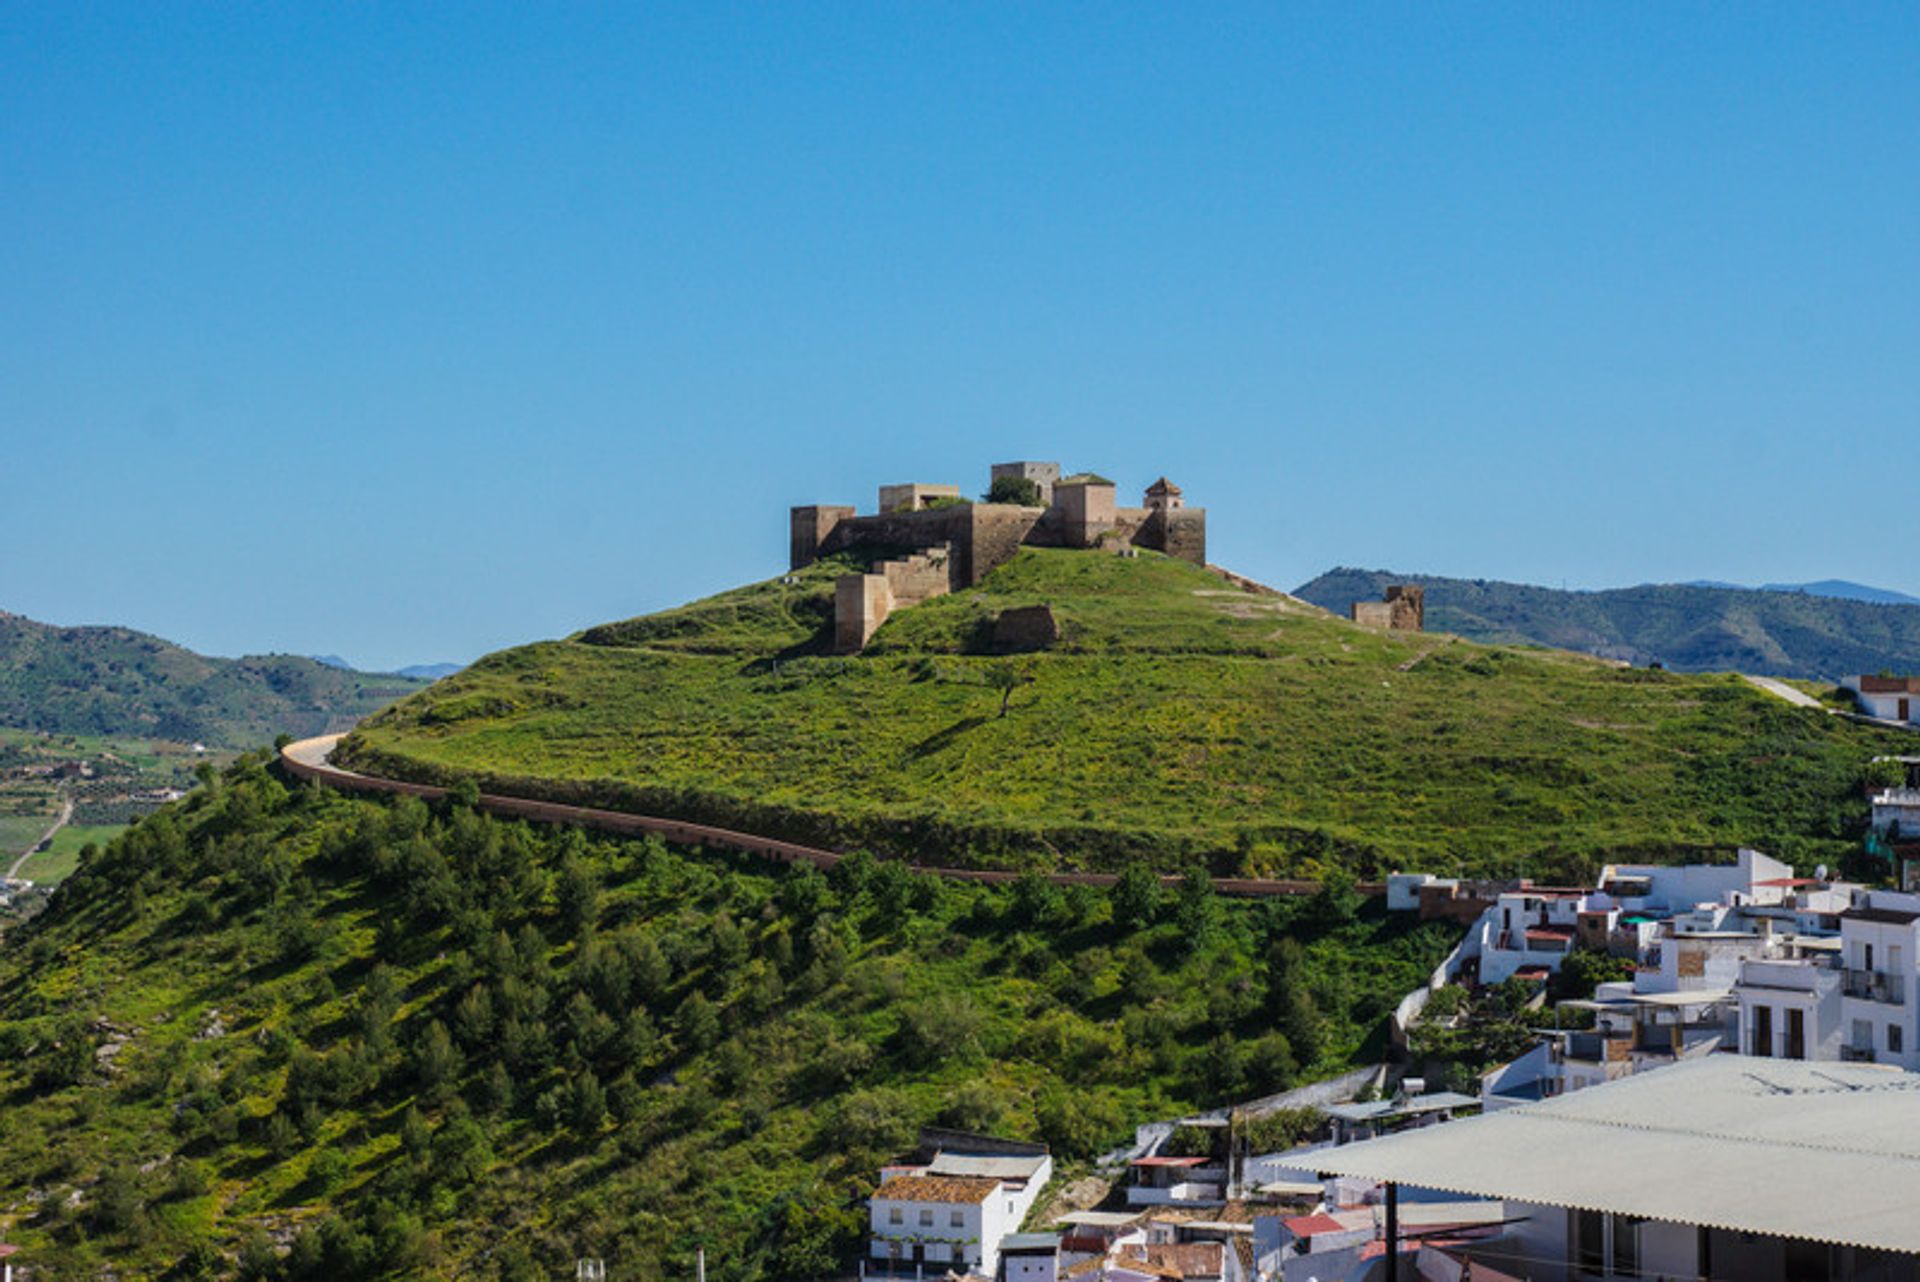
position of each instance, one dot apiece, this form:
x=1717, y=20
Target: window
x=1626, y=1245
x=958, y=1220
x=1867, y=952
x=1589, y=1240
x=1893, y=1038
x=893, y=1215
x=926, y=1218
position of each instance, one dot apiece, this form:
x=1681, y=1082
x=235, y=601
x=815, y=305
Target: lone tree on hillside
x=1015, y=489
x=1005, y=678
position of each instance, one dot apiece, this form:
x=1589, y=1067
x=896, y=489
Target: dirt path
x=66, y=815
x=1780, y=689
x=307, y=759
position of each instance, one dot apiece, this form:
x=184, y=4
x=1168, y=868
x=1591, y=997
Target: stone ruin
x=1402, y=609
x=929, y=542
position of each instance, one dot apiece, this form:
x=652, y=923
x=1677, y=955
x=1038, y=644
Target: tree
x=587, y=1104
x=577, y=895
x=1023, y=490
x=1135, y=897
x=1006, y=678
x=438, y=1062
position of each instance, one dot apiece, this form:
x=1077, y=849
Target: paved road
x=1799, y=698
x=307, y=759
x=66, y=814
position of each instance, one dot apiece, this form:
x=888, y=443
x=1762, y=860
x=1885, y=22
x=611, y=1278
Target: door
x=1905, y=714
x=1796, y=1034
x=1762, y=1031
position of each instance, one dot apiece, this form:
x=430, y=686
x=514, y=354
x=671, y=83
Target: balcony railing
x=1856, y=1054
x=1875, y=986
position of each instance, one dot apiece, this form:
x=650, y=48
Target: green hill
x=1686, y=627
x=409, y=1043
x=1176, y=719
x=115, y=681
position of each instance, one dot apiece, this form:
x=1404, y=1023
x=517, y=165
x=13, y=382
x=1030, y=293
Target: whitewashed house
x=1897, y=810
x=1888, y=698
x=1880, y=961
x=954, y=1210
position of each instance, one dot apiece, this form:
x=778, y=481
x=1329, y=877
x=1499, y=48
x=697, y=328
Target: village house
x=1886, y=698
x=955, y=1204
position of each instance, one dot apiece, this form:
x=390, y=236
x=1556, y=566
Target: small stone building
x=1402, y=609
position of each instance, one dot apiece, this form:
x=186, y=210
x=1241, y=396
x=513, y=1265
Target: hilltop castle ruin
x=928, y=541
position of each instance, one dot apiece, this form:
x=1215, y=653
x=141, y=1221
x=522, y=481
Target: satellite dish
x=1820, y=873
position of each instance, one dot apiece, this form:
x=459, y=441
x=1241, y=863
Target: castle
x=928, y=541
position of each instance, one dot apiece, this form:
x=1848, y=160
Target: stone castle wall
x=972, y=540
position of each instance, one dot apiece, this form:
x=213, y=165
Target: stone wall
x=994, y=533
x=1178, y=532
x=809, y=527
x=1024, y=628
x=1404, y=609
x=861, y=603
x=1087, y=512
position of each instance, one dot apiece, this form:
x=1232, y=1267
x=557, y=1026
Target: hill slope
x=436, y=1044
x=115, y=681
x=1687, y=627
x=1176, y=719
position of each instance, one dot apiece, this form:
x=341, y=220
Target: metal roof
x=1386, y=1109
x=1727, y=1141
x=1029, y=1242
x=988, y=1166
x=1099, y=1219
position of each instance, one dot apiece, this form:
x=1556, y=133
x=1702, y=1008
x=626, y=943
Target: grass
x=56, y=863
x=1176, y=720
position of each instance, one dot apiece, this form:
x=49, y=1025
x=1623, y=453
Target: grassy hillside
x=115, y=681
x=414, y=1043
x=1177, y=719
x=1688, y=628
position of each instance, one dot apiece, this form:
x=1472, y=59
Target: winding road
x=308, y=759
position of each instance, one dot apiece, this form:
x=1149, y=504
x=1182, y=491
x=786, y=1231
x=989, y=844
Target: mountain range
x=1818, y=631
x=423, y=671
x=1842, y=589
x=116, y=681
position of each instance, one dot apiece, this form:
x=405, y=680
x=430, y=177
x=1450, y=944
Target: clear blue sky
x=411, y=331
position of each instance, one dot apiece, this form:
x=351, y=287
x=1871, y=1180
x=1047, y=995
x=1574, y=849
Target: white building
x=1789, y=1009
x=955, y=1210
x=1888, y=698
x=1897, y=809
x=1530, y=930
x=1158, y=1180
x=1880, y=961
x=1725, y=1167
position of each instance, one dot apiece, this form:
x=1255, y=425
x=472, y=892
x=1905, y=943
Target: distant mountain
x=418, y=671
x=431, y=671
x=1690, y=627
x=109, y=680
x=1845, y=591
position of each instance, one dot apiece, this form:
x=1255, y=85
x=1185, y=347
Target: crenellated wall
x=973, y=539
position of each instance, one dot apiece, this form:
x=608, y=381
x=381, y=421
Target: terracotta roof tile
x=936, y=1188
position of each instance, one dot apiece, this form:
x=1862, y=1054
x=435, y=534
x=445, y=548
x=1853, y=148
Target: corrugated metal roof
x=1728, y=1141
x=985, y=1166
x=1099, y=1219
x=1030, y=1242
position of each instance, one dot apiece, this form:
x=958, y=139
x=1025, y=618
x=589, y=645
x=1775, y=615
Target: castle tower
x=1164, y=496
x=1043, y=475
